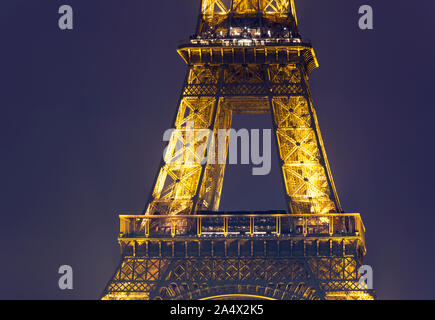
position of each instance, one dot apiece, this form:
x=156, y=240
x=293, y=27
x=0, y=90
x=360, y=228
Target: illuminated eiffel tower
x=247, y=57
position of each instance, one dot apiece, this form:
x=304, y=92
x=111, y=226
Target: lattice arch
x=280, y=291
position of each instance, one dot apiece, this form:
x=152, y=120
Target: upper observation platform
x=248, y=32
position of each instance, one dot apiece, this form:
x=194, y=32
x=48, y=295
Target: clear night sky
x=83, y=114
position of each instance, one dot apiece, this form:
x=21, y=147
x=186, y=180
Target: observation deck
x=243, y=234
x=216, y=51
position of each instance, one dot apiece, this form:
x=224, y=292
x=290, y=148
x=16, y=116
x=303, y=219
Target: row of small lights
x=269, y=33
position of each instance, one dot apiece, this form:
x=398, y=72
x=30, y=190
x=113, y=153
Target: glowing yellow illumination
x=294, y=11
x=216, y=10
x=182, y=247
x=324, y=219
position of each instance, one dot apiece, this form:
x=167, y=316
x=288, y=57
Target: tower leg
x=176, y=190
x=307, y=182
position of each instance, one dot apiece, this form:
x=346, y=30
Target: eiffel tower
x=247, y=57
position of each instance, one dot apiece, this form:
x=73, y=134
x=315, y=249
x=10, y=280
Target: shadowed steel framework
x=246, y=57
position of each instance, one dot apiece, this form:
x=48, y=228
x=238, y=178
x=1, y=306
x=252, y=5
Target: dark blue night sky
x=83, y=113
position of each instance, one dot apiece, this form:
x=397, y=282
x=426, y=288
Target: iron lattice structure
x=247, y=57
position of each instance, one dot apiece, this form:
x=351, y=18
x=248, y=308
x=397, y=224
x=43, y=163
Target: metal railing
x=245, y=42
x=243, y=225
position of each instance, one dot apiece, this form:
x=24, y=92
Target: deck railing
x=242, y=225
x=244, y=42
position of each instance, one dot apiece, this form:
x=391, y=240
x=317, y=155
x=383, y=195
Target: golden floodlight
x=247, y=57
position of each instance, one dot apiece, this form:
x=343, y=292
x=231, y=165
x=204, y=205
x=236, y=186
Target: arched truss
x=280, y=291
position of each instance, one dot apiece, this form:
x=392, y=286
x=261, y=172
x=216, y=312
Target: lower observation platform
x=242, y=234
x=235, y=255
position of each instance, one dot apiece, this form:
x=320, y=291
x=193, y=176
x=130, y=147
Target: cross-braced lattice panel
x=222, y=270
x=210, y=7
x=215, y=11
x=223, y=7
x=304, y=172
x=243, y=74
x=336, y=274
x=308, y=188
x=275, y=6
x=202, y=81
x=178, y=179
x=284, y=74
x=285, y=80
x=245, y=6
x=144, y=278
x=175, y=187
x=211, y=188
x=195, y=113
x=244, y=80
x=136, y=276
x=273, y=278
